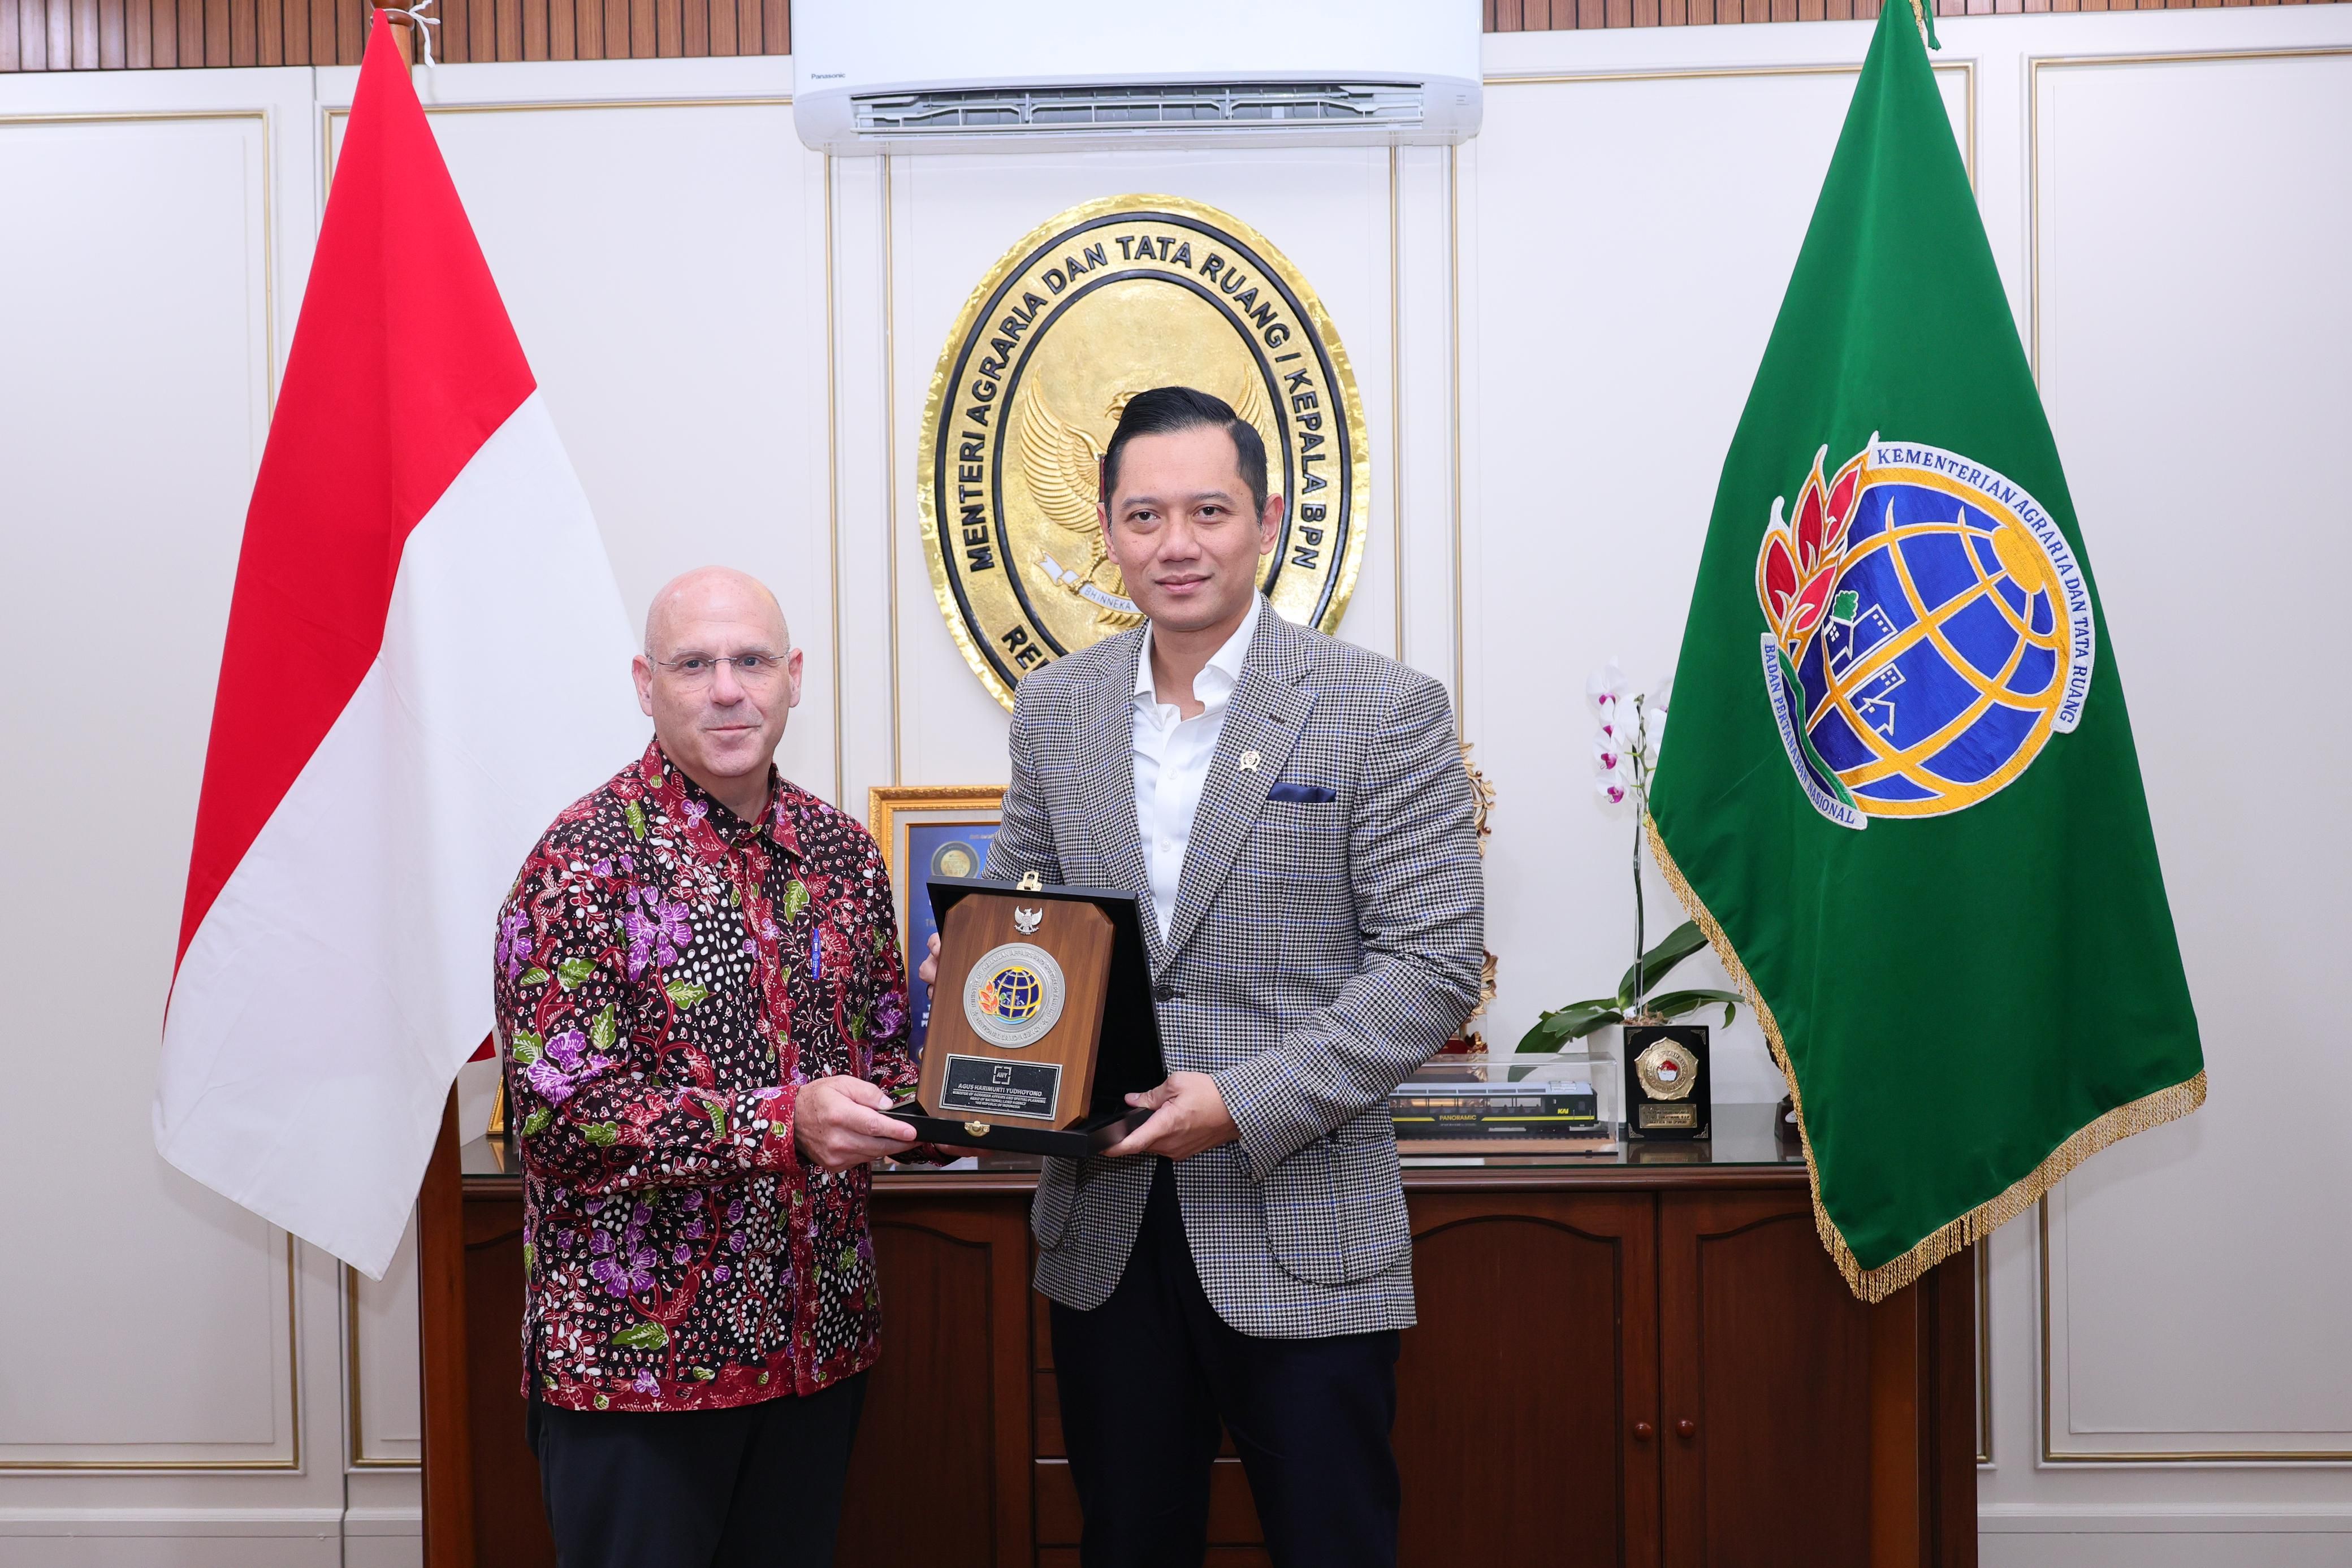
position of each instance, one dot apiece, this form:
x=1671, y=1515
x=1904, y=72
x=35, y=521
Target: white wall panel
x=2200, y=446
x=868, y=475
x=1426, y=445
x=150, y=1320
x=380, y=1363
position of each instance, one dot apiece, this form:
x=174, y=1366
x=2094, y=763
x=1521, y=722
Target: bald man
x=703, y=1013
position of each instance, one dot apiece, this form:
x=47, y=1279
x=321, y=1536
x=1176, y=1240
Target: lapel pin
x=1249, y=761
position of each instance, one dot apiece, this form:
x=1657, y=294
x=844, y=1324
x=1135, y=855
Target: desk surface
x=1743, y=1152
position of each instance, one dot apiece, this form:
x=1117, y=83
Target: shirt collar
x=1218, y=677
x=692, y=799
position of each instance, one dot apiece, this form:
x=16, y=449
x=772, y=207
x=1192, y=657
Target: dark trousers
x=1148, y=1379
x=759, y=1484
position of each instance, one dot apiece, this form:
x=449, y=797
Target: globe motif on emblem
x=1013, y=995
x=1927, y=636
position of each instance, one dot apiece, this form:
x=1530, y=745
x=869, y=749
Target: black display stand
x=1127, y=1057
x=1677, y=1118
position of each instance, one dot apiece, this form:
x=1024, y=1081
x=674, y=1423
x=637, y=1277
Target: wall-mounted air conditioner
x=932, y=76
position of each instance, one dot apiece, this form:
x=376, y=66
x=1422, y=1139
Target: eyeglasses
x=694, y=670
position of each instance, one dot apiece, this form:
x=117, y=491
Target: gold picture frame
x=895, y=813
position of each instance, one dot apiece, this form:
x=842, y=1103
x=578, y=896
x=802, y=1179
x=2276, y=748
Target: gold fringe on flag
x=1875, y=1285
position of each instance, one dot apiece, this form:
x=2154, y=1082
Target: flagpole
x=407, y=28
x=446, y=1463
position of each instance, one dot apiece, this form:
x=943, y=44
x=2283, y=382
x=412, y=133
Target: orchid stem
x=1640, y=807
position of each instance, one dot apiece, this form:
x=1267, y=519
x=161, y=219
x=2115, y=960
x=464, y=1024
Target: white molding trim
x=383, y=1521
x=2028, y=1519
x=172, y=1522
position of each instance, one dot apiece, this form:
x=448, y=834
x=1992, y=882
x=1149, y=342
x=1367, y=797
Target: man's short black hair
x=1165, y=410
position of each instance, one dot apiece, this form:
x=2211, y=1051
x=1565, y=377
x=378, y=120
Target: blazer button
x=1163, y=992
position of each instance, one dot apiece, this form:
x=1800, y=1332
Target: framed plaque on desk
x=1042, y=1020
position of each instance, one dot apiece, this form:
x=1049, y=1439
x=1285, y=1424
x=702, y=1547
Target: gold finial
x=1927, y=32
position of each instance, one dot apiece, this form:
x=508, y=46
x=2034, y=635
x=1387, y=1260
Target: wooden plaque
x=1016, y=1017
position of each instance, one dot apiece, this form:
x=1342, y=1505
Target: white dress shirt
x=1171, y=756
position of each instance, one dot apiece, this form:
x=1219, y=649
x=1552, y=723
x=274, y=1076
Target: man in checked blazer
x=1295, y=813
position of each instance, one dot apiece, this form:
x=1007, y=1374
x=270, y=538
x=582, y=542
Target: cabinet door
x=1765, y=1362
x=509, y=1525
x=940, y=1475
x=1527, y=1399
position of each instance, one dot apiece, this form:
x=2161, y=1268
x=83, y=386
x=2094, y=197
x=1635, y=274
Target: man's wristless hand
x=838, y=1123
x=1188, y=1115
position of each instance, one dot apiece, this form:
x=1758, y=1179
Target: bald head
x=721, y=677
x=710, y=593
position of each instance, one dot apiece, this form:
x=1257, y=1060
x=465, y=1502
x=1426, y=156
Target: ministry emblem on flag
x=1928, y=631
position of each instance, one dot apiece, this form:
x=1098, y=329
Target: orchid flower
x=1605, y=687
x=1624, y=753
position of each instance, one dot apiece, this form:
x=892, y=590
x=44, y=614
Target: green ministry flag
x=1899, y=793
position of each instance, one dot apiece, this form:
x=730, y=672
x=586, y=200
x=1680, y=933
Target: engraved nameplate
x=984, y=1086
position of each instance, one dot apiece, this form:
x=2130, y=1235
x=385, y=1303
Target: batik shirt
x=668, y=976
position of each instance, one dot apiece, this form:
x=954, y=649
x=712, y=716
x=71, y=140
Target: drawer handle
x=1685, y=1429
x=1643, y=1431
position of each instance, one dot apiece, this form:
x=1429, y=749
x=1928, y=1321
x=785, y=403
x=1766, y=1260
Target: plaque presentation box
x=1042, y=1020
x=1667, y=1089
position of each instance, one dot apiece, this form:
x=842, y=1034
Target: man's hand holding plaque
x=1188, y=1115
x=838, y=1123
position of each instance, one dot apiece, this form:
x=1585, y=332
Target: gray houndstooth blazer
x=1319, y=952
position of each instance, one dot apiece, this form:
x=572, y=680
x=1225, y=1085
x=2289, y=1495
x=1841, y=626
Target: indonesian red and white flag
x=427, y=660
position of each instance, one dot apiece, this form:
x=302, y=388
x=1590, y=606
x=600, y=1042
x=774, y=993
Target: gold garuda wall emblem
x=1094, y=306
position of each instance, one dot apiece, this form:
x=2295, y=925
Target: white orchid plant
x=1624, y=759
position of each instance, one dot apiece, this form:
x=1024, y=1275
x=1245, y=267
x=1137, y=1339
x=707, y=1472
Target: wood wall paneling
x=142, y=35
x=138, y=35
x=1561, y=16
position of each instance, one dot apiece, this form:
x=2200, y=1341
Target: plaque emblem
x=1668, y=1069
x=1026, y=921
x=1097, y=304
x=1013, y=995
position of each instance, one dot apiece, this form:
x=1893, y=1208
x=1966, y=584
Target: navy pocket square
x=1302, y=794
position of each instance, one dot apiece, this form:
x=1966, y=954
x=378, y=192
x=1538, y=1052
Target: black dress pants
x=759, y=1484
x=1148, y=1379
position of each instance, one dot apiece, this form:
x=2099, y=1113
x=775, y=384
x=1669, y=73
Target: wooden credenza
x=1645, y=1360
